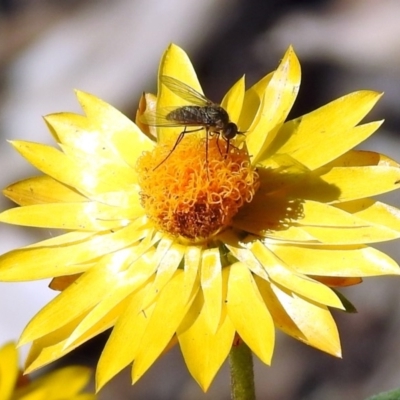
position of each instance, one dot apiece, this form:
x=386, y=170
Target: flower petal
x=251, y=318
x=82, y=216
x=211, y=285
x=116, y=128
x=8, y=370
x=177, y=64
x=374, y=212
x=281, y=318
x=129, y=282
x=172, y=258
x=73, y=301
x=354, y=261
x=104, y=130
x=50, y=347
x=355, y=182
x=172, y=305
x=205, y=350
x=41, y=189
x=284, y=275
x=84, y=175
x=314, y=320
x=252, y=103
x=331, y=225
x=278, y=99
x=346, y=178
x=54, y=383
x=67, y=254
x=326, y=133
x=246, y=257
x=193, y=257
x=233, y=100
x=124, y=341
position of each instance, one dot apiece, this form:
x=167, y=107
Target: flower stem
x=242, y=375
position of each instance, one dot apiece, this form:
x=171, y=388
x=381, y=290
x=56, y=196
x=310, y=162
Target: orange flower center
x=196, y=190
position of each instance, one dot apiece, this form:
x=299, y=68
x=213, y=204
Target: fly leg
x=180, y=137
x=228, y=144
x=208, y=134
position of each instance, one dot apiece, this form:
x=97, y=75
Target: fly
x=199, y=112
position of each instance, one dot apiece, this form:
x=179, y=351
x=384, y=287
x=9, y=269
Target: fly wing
x=159, y=118
x=185, y=92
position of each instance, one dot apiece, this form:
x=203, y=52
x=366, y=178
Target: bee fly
x=200, y=111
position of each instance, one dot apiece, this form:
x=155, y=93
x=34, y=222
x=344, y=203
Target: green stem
x=242, y=375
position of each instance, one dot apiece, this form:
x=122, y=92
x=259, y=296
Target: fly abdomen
x=189, y=115
x=211, y=116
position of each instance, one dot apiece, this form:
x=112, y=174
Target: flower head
x=13, y=386
x=199, y=238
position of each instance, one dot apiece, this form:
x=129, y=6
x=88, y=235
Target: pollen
x=195, y=191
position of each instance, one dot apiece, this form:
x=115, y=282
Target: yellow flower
x=68, y=381
x=203, y=244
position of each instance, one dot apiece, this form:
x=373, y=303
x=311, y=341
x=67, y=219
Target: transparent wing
x=159, y=118
x=185, y=92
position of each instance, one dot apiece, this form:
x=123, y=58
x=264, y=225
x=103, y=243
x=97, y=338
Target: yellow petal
x=47, y=348
x=166, y=268
x=290, y=279
x=362, y=158
x=314, y=320
x=52, y=346
x=129, y=281
x=309, y=221
x=89, y=216
x=127, y=138
x=124, y=341
x=191, y=268
x=54, y=383
x=73, y=301
x=233, y=100
x=41, y=189
x=116, y=172
x=86, y=176
x=374, y=212
x=281, y=318
x=346, y=178
x=269, y=213
x=104, y=131
x=252, y=102
x=355, y=182
x=247, y=257
x=211, y=285
x=65, y=254
x=251, y=318
x=204, y=350
x=324, y=134
x=331, y=225
x=349, y=261
x=172, y=305
x=278, y=99
x=177, y=64
x=8, y=370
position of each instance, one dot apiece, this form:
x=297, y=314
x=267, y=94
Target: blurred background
x=112, y=49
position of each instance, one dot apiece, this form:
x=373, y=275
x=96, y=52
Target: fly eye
x=230, y=131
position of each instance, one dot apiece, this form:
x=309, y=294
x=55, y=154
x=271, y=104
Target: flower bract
x=174, y=232
x=64, y=383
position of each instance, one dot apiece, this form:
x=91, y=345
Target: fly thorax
x=218, y=117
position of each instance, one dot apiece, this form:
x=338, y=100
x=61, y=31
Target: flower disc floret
x=196, y=191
